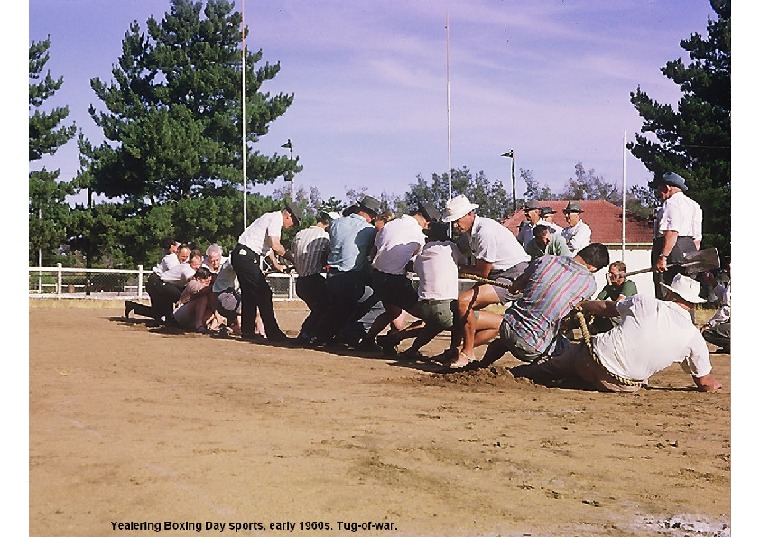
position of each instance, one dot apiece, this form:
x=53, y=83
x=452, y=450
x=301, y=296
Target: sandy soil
x=132, y=424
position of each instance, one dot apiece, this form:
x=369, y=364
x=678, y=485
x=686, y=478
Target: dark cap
x=532, y=204
x=438, y=231
x=669, y=178
x=370, y=205
x=573, y=207
x=429, y=211
x=546, y=211
x=295, y=211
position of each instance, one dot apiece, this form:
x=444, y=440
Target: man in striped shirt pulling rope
x=551, y=286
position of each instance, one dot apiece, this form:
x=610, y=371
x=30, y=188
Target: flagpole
x=448, y=100
x=624, y=192
x=245, y=144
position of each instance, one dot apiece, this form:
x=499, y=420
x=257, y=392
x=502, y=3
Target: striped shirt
x=555, y=285
x=310, y=248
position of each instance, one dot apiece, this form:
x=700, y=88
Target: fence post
x=140, y=282
x=292, y=287
x=59, y=281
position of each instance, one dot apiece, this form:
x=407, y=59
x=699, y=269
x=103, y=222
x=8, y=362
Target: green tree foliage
x=534, y=190
x=587, y=185
x=174, y=113
x=48, y=209
x=492, y=197
x=694, y=140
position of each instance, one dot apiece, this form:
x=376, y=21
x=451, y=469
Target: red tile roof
x=604, y=218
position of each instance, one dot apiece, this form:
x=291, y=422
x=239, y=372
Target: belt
x=256, y=256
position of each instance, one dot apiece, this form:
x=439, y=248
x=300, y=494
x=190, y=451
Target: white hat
x=457, y=207
x=686, y=288
x=334, y=215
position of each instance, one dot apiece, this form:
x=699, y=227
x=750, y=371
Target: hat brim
x=459, y=214
x=696, y=299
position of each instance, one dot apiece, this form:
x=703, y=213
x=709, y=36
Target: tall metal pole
x=511, y=155
x=624, y=192
x=245, y=144
x=514, y=195
x=448, y=100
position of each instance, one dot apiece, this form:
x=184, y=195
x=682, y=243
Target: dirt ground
x=134, y=425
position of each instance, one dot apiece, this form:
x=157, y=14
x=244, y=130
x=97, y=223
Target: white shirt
x=652, y=335
x=682, y=214
x=310, y=248
x=437, y=266
x=495, y=244
x=178, y=274
x=257, y=236
x=167, y=262
x=577, y=236
x=397, y=243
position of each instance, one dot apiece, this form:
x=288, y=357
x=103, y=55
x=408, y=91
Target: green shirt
x=612, y=291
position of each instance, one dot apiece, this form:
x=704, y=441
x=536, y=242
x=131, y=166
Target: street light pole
x=511, y=155
x=289, y=174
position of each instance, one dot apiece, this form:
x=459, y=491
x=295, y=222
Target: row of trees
x=172, y=161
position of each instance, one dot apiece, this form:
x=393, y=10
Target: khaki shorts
x=437, y=313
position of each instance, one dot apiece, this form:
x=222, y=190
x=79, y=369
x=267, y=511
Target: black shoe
x=129, y=307
x=411, y=355
x=388, y=344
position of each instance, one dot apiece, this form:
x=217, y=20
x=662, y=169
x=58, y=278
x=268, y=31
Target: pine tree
x=174, y=113
x=48, y=208
x=695, y=139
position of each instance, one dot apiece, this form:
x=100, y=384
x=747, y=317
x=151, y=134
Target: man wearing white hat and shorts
x=498, y=256
x=652, y=335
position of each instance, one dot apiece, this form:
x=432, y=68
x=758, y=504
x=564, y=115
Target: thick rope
x=586, y=335
x=480, y=279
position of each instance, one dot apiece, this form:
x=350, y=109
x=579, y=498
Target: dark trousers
x=344, y=290
x=255, y=293
x=683, y=246
x=313, y=291
x=719, y=335
x=162, y=298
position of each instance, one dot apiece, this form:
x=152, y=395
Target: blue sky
x=550, y=79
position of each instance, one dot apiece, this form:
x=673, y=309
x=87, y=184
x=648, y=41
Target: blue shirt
x=351, y=240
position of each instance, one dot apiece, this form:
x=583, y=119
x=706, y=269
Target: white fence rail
x=61, y=282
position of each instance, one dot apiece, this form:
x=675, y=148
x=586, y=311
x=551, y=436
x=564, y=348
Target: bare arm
x=481, y=268
x=277, y=246
x=670, y=242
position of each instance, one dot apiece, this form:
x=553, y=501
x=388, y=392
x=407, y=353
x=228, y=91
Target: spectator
x=546, y=242
x=718, y=329
x=577, y=234
x=532, y=212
